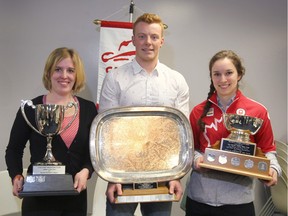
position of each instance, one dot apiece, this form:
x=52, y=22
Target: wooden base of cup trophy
x=236, y=154
x=48, y=177
x=141, y=148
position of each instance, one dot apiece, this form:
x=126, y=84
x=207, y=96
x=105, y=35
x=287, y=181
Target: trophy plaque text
x=48, y=176
x=236, y=154
x=142, y=148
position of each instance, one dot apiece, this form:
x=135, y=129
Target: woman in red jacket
x=213, y=192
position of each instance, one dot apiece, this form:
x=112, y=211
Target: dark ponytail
x=206, y=107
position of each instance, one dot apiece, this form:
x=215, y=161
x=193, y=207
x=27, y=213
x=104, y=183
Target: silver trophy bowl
x=241, y=126
x=49, y=118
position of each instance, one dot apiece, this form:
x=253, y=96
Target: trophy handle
x=69, y=105
x=29, y=103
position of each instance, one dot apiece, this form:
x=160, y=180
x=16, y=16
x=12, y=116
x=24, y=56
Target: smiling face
x=63, y=77
x=225, y=78
x=148, y=39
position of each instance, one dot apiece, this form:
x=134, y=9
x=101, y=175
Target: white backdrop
x=255, y=29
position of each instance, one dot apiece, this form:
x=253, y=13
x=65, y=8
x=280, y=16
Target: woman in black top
x=63, y=77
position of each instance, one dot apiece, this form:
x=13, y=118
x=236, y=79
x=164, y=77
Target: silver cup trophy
x=241, y=127
x=236, y=153
x=48, y=176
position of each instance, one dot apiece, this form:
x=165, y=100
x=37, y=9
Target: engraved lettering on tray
x=139, y=144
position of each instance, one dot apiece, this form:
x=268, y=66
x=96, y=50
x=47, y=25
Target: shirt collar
x=228, y=104
x=138, y=69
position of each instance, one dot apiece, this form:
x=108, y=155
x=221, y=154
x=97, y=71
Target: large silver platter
x=141, y=144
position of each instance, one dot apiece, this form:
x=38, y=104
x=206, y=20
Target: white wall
x=255, y=29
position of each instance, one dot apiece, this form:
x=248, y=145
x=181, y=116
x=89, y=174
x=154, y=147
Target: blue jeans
x=147, y=209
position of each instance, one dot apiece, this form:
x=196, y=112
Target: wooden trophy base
x=135, y=194
x=241, y=164
x=48, y=185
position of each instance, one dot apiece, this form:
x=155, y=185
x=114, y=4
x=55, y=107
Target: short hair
x=54, y=58
x=149, y=18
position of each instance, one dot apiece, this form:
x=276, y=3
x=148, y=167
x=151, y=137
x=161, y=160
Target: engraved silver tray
x=141, y=144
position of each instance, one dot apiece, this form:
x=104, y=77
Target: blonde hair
x=54, y=58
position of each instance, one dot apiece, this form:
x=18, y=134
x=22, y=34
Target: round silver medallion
x=248, y=164
x=235, y=161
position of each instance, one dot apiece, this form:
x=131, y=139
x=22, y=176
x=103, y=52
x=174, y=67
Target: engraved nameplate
x=145, y=185
x=48, y=169
x=238, y=147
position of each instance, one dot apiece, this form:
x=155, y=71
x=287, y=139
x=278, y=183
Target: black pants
x=194, y=208
x=55, y=205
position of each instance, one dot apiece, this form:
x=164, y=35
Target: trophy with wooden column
x=236, y=153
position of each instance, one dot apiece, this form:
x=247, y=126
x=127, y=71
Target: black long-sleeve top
x=75, y=158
